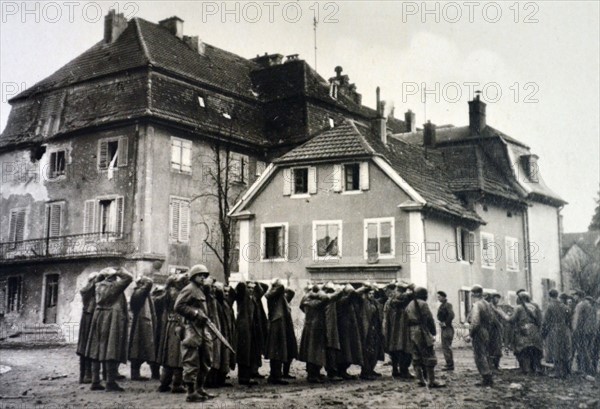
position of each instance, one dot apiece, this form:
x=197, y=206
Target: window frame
x=508, y=243
x=465, y=250
x=122, y=147
x=51, y=175
x=491, y=265
x=47, y=214
x=379, y=221
x=463, y=313
x=182, y=143
x=317, y=223
x=345, y=176
x=302, y=194
x=263, y=240
x=19, y=306
x=95, y=223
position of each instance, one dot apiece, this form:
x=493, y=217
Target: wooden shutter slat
x=184, y=221
x=337, y=178
x=103, y=155
x=312, y=180
x=89, y=216
x=122, y=151
x=120, y=202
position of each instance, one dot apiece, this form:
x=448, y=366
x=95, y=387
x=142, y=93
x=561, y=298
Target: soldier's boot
x=419, y=375
x=112, y=372
x=200, y=381
x=431, y=382
x=487, y=380
x=165, y=379
x=192, y=395
x=135, y=371
x=87, y=378
x=155, y=370
x=286, y=371
x=96, y=384
x=178, y=381
x=405, y=373
x=81, y=369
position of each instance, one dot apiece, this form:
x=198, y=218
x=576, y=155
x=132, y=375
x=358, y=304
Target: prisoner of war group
x=188, y=329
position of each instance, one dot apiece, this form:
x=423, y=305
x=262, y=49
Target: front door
x=51, y=299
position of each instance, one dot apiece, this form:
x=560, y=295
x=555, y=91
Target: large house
x=108, y=161
x=442, y=208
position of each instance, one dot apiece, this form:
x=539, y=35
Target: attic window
x=331, y=122
x=201, y=102
x=226, y=115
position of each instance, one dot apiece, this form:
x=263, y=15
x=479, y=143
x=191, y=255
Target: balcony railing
x=73, y=246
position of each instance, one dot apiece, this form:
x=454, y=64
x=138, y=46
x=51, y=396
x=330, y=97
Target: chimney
x=409, y=118
x=378, y=124
x=174, y=25
x=428, y=134
x=194, y=43
x=114, y=25
x=268, y=60
x=476, y=115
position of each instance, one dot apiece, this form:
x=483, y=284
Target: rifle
x=213, y=328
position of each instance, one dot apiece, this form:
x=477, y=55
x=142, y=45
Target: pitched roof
x=423, y=170
x=488, y=161
x=143, y=44
x=342, y=141
x=588, y=241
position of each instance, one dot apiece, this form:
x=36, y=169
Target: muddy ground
x=29, y=384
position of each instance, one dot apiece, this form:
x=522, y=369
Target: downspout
x=560, y=233
x=527, y=251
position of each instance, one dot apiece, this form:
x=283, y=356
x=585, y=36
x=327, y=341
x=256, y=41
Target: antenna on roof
x=315, y=29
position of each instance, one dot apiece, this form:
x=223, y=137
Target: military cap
x=553, y=293
x=198, y=269
x=477, y=289
x=441, y=293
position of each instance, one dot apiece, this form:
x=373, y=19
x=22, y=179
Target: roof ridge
x=142, y=41
x=361, y=138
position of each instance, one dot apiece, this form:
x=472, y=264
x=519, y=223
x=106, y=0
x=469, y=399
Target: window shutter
x=287, y=182
x=312, y=180
x=53, y=219
x=364, y=176
x=471, y=247
x=184, y=221
x=120, y=202
x=264, y=244
x=174, y=216
x=123, y=151
x=17, y=225
x=458, y=244
x=337, y=178
x=103, y=155
x=89, y=216
x=281, y=244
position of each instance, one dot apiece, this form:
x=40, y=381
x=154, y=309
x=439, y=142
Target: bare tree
x=223, y=175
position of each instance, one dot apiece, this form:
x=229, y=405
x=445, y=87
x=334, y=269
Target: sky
x=536, y=63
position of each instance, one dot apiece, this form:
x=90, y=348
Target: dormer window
x=331, y=122
x=226, y=115
x=201, y=102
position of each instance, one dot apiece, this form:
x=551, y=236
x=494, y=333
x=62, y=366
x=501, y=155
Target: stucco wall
x=271, y=206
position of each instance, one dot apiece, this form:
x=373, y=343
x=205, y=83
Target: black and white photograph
x=299, y=204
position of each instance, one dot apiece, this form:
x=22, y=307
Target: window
x=465, y=304
x=327, y=239
x=351, y=177
x=238, y=164
x=488, y=251
x=57, y=164
x=300, y=182
x=201, y=102
x=104, y=216
x=54, y=215
x=181, y=155
x=17, y=225
x=512, y=253
x=14, y=289
x=274, y=239
x=112, y=153
x=465, y=245
x=226, y=115
x=179, y=220
x=331, y=122
x=379, y=238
